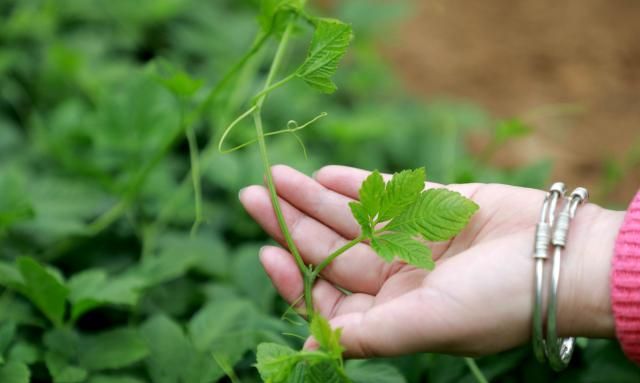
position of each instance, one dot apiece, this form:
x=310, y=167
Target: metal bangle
x=560, y=350
x=541, y=249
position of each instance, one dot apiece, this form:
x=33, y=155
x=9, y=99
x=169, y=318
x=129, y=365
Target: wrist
x=584, y=303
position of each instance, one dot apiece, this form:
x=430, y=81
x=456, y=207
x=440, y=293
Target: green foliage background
x=101, y=280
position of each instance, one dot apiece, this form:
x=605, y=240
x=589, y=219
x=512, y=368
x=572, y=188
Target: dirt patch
x=571, y=68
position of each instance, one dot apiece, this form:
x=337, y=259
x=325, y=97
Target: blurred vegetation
x=102, y=282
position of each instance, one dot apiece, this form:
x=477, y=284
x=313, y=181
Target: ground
x=570, y=68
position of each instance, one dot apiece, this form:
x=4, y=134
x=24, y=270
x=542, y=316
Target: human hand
x=479, y=297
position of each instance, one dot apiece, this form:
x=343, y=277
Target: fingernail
x=240, y=192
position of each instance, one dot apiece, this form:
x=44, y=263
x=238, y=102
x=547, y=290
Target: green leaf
x=364, y=371
x=299, y=374
x=220, y=319
x=402, y=245
x=24, y=352
x=18, y=310
x=7, y=331
x=14, y=205
x=437, y=215
x=112, y=349
x=62, y=207
x=400, y=192
x=327, y=338
x=362, y=217
x=63, y=372
x=14, y=372
x=93, y=288
x=63, y=341
x=113, y=379
x=172, y=357
x=371, y=193
x=177, y=253
x=44, y=289
x=176, y=80
x=10, y=276
x=330, y=42
x=275, y=362
x=250, y=279
x=327, y=372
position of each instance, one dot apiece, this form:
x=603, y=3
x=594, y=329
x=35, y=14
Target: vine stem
x=273, y=194
x=316, y=272
x=275, y=86
x=475, y=370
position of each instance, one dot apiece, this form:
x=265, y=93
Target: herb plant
x=395, y=217
x=124, y=254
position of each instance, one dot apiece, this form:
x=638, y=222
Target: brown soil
x=570, y=68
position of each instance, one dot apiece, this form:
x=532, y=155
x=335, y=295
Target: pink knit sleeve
x=625, y=282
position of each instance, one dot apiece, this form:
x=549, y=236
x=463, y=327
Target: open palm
x=477, y=300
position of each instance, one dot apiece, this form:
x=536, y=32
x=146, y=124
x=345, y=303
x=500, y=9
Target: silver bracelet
x=553, y=231
x=541, y=250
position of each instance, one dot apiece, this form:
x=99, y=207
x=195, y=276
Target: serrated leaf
x=365, y=371
x=402, y=245
x=327, y=338
x=275, y=362
x=437, y=215
x=330, y=42
x=94, y=288
x=63, y=372
x=111, y=349
x=361, y=216
x=299, y=374
x=43, y=288
x=14, y=372
x=371, y=193
x=400, y=192
x=326, y=372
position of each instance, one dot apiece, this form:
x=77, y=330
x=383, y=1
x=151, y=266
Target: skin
x=478, y=299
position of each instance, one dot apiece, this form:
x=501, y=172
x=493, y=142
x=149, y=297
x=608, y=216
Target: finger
x=325, y=205
x=347, y=180
x=358, y=270
x=328, y=300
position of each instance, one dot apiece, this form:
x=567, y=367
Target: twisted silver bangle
x=560, y=350
x=552, y=230
x=541, y=249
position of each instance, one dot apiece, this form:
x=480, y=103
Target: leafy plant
x=391, y=214
x=124, y=255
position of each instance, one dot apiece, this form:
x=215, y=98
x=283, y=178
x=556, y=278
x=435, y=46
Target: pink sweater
x=625, y=282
